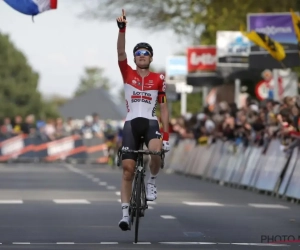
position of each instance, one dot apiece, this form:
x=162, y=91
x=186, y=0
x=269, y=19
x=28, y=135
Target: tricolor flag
x=32, y=7
x=296, y=23
x=275, y=49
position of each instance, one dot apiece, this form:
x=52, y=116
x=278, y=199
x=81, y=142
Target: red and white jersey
x=142, y=93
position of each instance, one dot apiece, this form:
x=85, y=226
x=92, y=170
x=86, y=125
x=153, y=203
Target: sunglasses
x=142, y=53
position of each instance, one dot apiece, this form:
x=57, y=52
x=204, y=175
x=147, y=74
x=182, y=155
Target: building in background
x=94, y=101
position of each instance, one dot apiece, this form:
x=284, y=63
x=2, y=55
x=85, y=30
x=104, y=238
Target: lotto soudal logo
x=141, y=97
x=201, y=58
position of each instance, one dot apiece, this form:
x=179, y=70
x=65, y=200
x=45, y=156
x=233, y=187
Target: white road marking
x=11, y=202
x=119, y=200
x=167, y=217
x=260, y=244
x=95, y=179
x=189, y=243
x=148, y=243
x=42, y=243
x=66, y=201
x=65, y=243
x=102, y=183
x=118, y=193
x=209, y=204
x=151, y=202
x=257, y=205
x=111, y=187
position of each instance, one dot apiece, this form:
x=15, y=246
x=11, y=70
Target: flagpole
x=237, y=91
x=276, y=84
x=282, y=64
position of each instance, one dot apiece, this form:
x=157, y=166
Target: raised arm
x=121, y=21
x=164, y=111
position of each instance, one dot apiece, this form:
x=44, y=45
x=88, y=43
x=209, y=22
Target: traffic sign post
x=183, y=89
x=176, y=71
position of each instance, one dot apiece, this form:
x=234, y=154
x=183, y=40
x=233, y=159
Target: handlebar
x=146, y=152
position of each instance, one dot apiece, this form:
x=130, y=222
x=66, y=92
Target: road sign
x=183, y=88
x=176, y=66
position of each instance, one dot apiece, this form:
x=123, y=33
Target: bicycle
x=138, y=201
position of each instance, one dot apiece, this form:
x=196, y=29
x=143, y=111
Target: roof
x=94, y=101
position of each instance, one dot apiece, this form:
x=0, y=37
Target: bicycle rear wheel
x=138, y=205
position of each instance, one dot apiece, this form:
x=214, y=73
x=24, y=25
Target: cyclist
x=142, y=91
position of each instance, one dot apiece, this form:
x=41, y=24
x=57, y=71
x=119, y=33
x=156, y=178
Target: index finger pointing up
x=123, y=12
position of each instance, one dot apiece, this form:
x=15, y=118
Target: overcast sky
x=59, y=45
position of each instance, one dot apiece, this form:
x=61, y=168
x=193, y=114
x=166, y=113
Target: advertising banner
x=201, y=58
x=279, y=27
x=233, y=49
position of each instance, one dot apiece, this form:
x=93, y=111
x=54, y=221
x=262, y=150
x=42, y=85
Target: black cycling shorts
x=132, y=132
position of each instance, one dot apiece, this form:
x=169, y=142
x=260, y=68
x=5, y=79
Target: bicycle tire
x=131, y=218
x=138, y=205
x=132, y=211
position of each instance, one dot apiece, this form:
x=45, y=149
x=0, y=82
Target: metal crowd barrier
x=22, y=148
x=268, y=170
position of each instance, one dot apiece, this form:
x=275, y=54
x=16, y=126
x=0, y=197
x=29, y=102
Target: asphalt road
x=60, y=206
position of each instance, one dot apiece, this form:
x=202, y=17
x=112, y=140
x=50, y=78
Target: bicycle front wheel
x=138, y=205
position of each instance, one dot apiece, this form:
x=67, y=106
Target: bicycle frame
x=138, y=201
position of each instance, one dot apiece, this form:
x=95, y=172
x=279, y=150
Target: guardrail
x=265, y=169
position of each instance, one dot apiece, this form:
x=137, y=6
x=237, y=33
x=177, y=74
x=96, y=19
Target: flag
x=296, y=22
x=274, y=48
x=32, y=7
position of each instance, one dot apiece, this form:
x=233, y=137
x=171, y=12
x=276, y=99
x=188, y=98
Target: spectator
x=97, y=126
x=87, y=130
x=50, y=130
x=29, y=127
x=41, y=133
x=17, y=127
x=6, y=128
x=296, y=117
x=60, y=131
x=69, y=126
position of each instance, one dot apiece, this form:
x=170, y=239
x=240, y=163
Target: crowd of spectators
x=254, y=124
x=53, y=129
